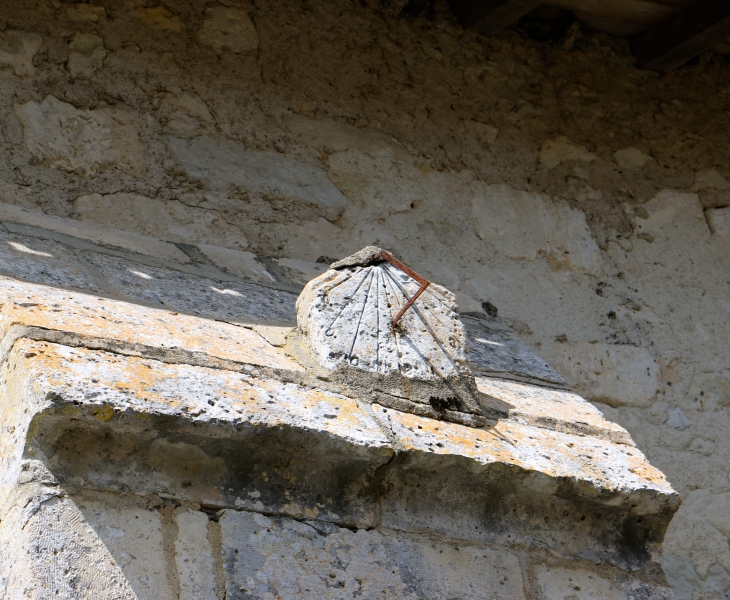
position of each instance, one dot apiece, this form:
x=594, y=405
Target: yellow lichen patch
x=125, y=323
x=103, y=412
x=160, y=17
x=143, y=386
x=597, y=462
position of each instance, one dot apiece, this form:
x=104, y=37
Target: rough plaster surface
x=415, y=122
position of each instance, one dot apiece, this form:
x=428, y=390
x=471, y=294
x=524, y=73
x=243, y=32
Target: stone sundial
x=390, y=336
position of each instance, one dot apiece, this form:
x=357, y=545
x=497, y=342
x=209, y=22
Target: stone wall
x=584, y=200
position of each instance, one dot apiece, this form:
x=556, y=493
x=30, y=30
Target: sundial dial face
x=346, y=318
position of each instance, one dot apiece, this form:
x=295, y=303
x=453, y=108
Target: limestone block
x=569, y=584
x=164, y=219
x=228, y=29
x=276, y=336
x=236, y=262
x=338, y=136
x=85, y=12
x=200, y=434
x=82, y=320
x=591, y=470
x=677, y=419
x=189, y=104
x=301, y=272
x=17, y=49
x=94, y=233
x=43, y=261
x=56, y=554
x=194, y=556
x=298, y=560
x=16, y=195
x=232, y=301
x=311, y=240
x=559, y=410
x=703, y=505
x=710, y=391
x=674, y=215
x=86, y=55
x=631, y=158
x=134, y=536
x=719, y=220
x=220, y=165
x=710, y=178
x=185, y=114
x=697, y=555
x=561, y=149
x=161, y=17
x=525, y=225
x=495, y=351
x=82, y=141
x=617, y=375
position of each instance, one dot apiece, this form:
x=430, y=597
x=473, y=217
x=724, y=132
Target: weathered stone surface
x=208, y=435
x=220, y=165
x=553, y=473
x=429, y=85
x=83, y=320
x=194, y=556
x=17, y=49
x=631, y=158
x=617, y=375
x=559, y=410
x=82, y=141
x=301, y=272
x=85, y=12
x=345, y=317
x=55, y=554
x=718, y=220
x=291, y=559
x=710, y=391
x=673, y=214
x=167, y=220
x=135, y=538
x=524, y=225
x=87, y=231
x=233, y=301
x=495, y=351
x=561, y=149
x=86, y=55
x=236, y=262
x=161, y=17
x=566, y=584
x=228, y=29
x=43, y=261
x=338, y=136
x=697, y=554
x=16, y=195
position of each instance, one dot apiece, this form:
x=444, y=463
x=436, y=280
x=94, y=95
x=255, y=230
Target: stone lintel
x=242, y=440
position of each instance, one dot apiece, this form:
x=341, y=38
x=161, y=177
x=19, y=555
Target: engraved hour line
x=364, y=304
x=395, y=331
x=433, y=334
x=344, y=277
x=377, y=321
x=415, y=348
x=346, y=303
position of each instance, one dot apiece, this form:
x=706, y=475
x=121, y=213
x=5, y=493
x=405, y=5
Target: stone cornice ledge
x=116, y=397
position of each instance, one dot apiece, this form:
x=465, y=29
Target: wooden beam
x=491, y=16
x=674, y=41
